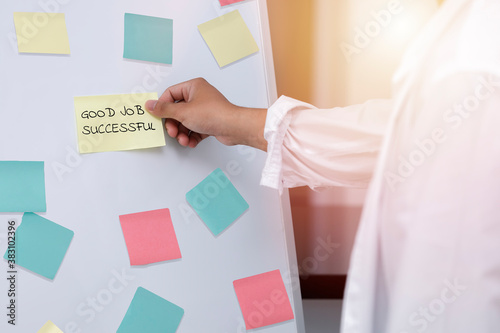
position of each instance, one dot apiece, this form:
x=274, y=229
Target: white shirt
x=427, y=252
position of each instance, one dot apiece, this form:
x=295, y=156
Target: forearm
x=248, y=127
x=323, y=147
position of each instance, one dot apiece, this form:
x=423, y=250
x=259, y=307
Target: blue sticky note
x=40, y=245
x=217, y=201
x=150, y=313
x=22, y=187
x=148, y=38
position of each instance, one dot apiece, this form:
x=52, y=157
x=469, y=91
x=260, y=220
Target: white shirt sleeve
x=323, y=147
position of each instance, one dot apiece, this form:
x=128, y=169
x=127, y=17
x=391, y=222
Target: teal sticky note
x=22, y=187
x=148, y=38
x=150, y=313
x=40, y=245
x=217, y=201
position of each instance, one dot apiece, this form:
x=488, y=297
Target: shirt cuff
x=278, y=119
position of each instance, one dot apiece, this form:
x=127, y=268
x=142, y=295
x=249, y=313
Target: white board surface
x=38, y=124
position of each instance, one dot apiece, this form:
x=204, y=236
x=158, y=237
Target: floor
x=322, y=316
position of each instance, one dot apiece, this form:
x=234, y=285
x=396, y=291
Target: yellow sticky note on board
x=49, y=327
x=116, y=122
x=228, y=37
x=41, y=33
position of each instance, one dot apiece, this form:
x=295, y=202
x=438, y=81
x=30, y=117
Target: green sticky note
x=217, y=201
x=40, y=245
x=22, y=187
x=148, y=38
x=150, y=313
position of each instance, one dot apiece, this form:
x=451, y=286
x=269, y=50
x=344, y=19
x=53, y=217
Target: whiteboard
x=38, y=124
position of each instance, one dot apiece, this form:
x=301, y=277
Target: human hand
x=194, y=110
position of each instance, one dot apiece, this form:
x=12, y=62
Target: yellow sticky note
x=116, y=122
x=49, y=327
x=41, y=33
x=228, y=37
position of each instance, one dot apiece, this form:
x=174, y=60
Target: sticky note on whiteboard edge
x=228, y=2
x=263, y=299
x=149, y=312
x=228, y=38
x=49, y=327
x=22, y=187
x=40, y=32
x=41, y=245
x=217, y=202
x=116, y=122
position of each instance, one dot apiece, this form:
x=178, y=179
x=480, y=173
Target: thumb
x=163, y=109
x=150, y=105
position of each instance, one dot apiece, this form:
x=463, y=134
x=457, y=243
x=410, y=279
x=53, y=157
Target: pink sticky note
x=228, y=2
x=263, y=299
x=150, y=237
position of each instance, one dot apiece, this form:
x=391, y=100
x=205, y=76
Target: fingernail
x=150, y=105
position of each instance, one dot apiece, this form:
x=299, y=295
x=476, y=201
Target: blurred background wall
x=336, y=53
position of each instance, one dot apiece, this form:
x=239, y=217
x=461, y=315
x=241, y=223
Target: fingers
x=178, y=92
x=194, y=139
x=183, y=135
x=185, y=104
x=167, y=105
x=177, y=131
x=171, y=126
x=164, y=108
